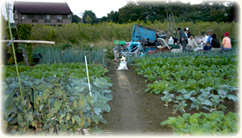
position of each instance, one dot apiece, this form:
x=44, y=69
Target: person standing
x=204, y=39
x=187, y=31
x=215, y=43
x=182, y=38
x=209, y=40
x=192, y=44
x=226, y=43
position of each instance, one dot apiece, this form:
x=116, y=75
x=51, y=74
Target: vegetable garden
x=55, y=98
x=200, y=81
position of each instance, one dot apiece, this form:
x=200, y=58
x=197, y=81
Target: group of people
x=209, y=42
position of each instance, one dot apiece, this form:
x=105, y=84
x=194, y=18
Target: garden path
x=132, y=112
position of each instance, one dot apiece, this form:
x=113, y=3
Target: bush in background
x=105, y=32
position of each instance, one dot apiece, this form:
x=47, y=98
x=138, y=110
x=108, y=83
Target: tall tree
x=113, y=17
x=76, y=19
x=89, y=17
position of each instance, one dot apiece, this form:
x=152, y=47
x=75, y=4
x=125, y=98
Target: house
x=41, y=13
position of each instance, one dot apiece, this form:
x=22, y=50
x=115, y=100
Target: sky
x=99, y=7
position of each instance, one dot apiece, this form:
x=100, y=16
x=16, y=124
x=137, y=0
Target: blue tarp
x=141, y=32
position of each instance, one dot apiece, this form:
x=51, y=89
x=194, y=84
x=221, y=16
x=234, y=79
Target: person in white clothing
x=192, y=44
x=204, y=39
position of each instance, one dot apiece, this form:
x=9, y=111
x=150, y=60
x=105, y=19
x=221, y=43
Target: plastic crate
x=174, y=46
x=118, y=42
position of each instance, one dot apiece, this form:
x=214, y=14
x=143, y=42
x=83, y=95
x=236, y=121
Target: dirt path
x=131, y=111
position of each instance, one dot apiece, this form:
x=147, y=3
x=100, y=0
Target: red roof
x=41, y=8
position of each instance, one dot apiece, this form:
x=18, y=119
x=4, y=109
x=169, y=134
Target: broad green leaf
x=29, y=116
x=52, y=112
x=171, y=120
x=68, y=116
x=41, y=107
x=232, y=97
x=58, y=92
x=78, y=120
x=83, y=121
x=57, y=104
x=89, y=99
x=81, y=103
x=73, y=120
x=164, y=122
x=19, y=117
x=63, y=127
x=46, y=94
x=186, y=116
x=62, y=115
x=207, y=102
x=75, y=104
x=8, y=112
x=95, y=118
x=9, y=99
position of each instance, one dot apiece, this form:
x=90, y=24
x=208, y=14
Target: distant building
x=42, y=13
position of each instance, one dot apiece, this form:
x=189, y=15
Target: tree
x=75, y=19
x=89, y=17
x=103, y=19
x=113, y=17
x=151, y=11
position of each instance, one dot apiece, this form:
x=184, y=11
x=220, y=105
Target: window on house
x=58, y=18
x=40, y=16
x=16, y=16
x=47, y=18
x=24, y=16
x=68, y=16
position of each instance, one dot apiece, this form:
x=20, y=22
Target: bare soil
x=135, y=112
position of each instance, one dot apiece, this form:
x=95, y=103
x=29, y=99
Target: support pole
x=15, y=60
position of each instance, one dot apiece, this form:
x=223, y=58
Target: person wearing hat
x=209, y=40
x=226, y=43
x=187, y=32
x=182, y=38
x=204, y=39
x=192, y=44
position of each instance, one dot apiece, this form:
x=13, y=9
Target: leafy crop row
x=70, y=55
x=45, y=70
x=232, y=52
x=208, y=79
x=190, y=73
x=56, y=99
x=215, y=123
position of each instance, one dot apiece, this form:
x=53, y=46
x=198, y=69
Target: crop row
x=59, y=69
x=215, y=123
x=206, y=81
x=58, y=103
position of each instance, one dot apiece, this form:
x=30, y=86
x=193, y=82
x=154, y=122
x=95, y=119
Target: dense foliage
x=21, y=32
x=215, y=123
x=56, y=99
x=83, y=33
x=69, y=54
x=151, y=11
x=204, y=80
x=60, y=69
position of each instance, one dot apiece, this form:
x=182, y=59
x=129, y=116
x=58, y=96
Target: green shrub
x=85, y=33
